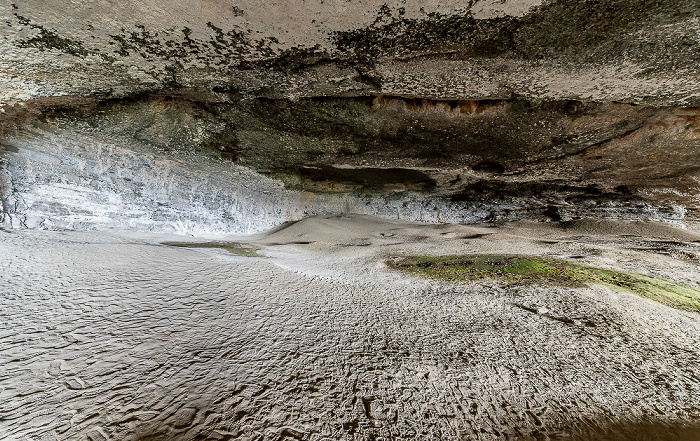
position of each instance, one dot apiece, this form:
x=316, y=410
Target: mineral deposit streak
x=111, y=338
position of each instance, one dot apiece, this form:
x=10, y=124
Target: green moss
x=530, y=269
x=240, y=249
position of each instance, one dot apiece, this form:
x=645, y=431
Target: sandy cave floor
x=116, y=336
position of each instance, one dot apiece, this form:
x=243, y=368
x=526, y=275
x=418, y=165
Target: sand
x=116, y=336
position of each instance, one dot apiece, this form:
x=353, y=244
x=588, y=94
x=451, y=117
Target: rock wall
x=555, y=109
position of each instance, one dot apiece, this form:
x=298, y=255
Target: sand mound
x=351, y=228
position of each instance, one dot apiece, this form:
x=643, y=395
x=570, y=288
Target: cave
x=350, y=220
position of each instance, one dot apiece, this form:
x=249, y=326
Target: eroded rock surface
x=622, y=50
x=569, y=105
x=118, y=170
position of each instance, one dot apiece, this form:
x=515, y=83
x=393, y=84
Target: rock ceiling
x=562, y=101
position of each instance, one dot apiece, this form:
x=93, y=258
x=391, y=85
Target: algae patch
x=240, y=249
x=531, y=269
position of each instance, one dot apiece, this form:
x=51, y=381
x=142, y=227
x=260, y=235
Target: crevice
x=366, y=178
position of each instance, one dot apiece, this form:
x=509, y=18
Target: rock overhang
x=564, y=101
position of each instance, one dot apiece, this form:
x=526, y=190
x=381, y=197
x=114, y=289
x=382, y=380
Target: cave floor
x=117, y=336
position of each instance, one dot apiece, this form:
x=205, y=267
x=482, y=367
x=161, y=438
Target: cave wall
x=555, y=109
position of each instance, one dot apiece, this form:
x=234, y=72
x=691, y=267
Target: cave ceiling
x=561, y=100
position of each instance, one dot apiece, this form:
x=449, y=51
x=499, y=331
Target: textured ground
x=116, y=337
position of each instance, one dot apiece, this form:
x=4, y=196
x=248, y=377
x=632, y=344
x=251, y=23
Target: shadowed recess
x=369, y=177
